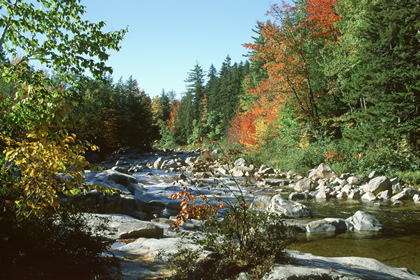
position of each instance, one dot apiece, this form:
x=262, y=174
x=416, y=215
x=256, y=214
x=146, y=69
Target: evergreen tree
x=383, y=88
x=195, y=88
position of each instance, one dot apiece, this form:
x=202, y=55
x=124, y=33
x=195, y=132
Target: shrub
x=239, y=239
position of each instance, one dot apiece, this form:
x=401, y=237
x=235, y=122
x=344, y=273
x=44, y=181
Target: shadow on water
x=397, y=245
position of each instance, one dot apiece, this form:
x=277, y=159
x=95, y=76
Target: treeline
x=327, y=80
x=207, y=107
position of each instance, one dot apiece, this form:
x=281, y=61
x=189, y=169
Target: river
x=397, y=245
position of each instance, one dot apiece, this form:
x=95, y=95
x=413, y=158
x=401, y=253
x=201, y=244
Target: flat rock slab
x=146, y=258
x=123, y=226
x=308, y=266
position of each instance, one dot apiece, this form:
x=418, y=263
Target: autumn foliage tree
x=290, y=51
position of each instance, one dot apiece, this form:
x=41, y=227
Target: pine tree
x=383, y=89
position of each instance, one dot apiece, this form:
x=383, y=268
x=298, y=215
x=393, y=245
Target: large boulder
x=123, y=226
x=308, y=266
x=328, y=225
x=287, y=208
x=363, y=221
x=378, y=184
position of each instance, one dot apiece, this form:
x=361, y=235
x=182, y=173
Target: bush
x=244, y=240
x=49, y=244
x=240, y=239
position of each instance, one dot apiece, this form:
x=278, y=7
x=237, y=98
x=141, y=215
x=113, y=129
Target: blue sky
x=167, y=38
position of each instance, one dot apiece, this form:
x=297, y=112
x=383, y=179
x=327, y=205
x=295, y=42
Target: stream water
x=397, y=245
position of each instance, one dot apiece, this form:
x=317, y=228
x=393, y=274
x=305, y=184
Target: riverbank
x=152, y=180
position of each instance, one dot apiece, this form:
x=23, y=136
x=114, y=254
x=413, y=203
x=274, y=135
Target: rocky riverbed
x=140, y=213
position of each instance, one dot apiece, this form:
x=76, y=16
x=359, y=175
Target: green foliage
x=40, y=160
x=55, y=34
x=243, y=240
x=113, y=116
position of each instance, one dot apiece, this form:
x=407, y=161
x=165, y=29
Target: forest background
x=326, y=81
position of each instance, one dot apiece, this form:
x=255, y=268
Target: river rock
x=265, y=170
x=338, y=182
x=378, y=184
x=148, y=258
x=322, y=194
x=329, y=224
x=342, y=195
x=308, y=266
x=363, y=221
x=110, y=179
x=170, y=164
x=240, y=162
x=354, y=194
x=123, y=226
x=305, y=184
x=369, y=196
x=158, y=163
x=416, y=198
x=385, y=194
x=353, y=180
x=122, y=169
x=324, y=171
x=397, y=188
x=287, y=208
x=400, y=196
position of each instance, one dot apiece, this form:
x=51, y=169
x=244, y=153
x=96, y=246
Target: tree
x=68, y=44
x=44, y=147
x=291, y=50
x=382, y=86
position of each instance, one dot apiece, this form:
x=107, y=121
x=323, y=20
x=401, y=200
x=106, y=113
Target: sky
x=167, y=38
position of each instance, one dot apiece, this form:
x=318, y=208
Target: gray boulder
x=369, y=196
x=385, y=195
x=363, y=221
x=353, y=180
x=305, y=184
x=322, y=194
x=400, y=196
x=123, y=226
x=324, y=171
x=287, y=208
x=308, y=266
x=158, y=163
x=354, y=194
x=378, y=184
x=329, y=224
x=170, y=164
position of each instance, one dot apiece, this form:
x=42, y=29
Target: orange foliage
x=286, y=56
x=172, y=116
x=189, y=210
x=242, y=129
x=322, y=18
